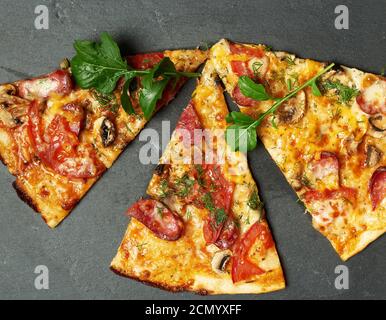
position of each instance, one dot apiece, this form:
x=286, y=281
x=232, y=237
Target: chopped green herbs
x=345, y=93
x=256, y=67
x=254, y=201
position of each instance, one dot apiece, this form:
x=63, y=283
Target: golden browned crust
x=159, y=285
x=24, y=196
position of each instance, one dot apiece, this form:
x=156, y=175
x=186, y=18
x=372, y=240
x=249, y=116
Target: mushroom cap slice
x=293, y=110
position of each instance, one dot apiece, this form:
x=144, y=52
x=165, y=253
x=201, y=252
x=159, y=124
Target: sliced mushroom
x=293, y=110
x=373, y=156
x=378, y=126
x=7, y=89
x=13, y=109
x=220, y=261
x=107, y=132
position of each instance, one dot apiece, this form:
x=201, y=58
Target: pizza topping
x=257, y=92
x=241, y=99
x=58, y=82
x=158, y=218
x=101, y=66
x=13, y=109
x=243, y=268
x=107, y=132
x=377, y=187
x=349, y=194
x=220, y=261
x=236, y=48
x=372, y=99
x=345, y=93
x=327, y=165
x=378, y=122
x=293, y=110
x=59, y=148
x=145, y=61
x=187, y=124
x=373, y=156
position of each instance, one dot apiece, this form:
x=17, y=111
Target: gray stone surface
x=79, y=251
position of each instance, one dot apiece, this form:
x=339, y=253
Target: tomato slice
x=145, y=60
x=158, y=218
x=249, y=51
x=59, y=148
x=242, y=267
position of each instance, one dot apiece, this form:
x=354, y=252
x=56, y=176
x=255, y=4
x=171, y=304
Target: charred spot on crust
x=24, y=196
x=161, y=169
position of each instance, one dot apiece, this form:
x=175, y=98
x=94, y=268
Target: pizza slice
x=327, y=139
x=204, y=228
x=58, y=139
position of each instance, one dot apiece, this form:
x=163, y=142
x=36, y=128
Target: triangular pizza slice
x=58, y=139
x=329, y=139
x=203, y=229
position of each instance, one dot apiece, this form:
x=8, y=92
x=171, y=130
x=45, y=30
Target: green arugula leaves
x=100, y=66
x=241, y=135
x=253, y=90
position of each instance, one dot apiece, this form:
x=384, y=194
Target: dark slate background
x=79, y=251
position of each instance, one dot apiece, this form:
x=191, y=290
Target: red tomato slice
x=145, y=60
x=159, y=219
x=241, y=69
x=242, y=267
x=377, y=186
x=249, y=51
x=58, y=147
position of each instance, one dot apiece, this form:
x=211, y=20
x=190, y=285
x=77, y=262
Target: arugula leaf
x=241, y=137
x=125, y=99
x=253, y=90
x=242, y=134
x=150, y=95
x=239, y=118
x=98, y=65
x=315, y=90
